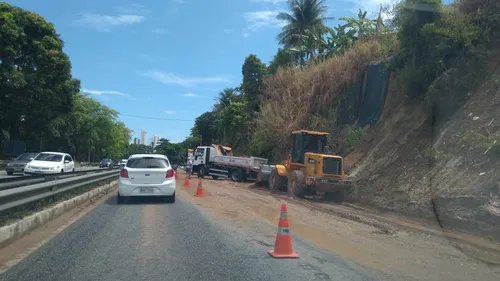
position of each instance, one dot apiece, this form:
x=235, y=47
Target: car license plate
x=38, y=172
x=146, y=190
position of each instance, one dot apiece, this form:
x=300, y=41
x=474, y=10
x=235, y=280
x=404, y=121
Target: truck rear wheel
x=276, y=182
x=237, y=175
x=297, y=184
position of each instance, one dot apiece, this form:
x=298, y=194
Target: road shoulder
x=17, y=250
x=401, y=253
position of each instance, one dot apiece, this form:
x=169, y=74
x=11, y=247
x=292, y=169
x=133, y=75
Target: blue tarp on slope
x=376, y=89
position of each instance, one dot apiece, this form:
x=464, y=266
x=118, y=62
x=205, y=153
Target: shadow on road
x=143, y=200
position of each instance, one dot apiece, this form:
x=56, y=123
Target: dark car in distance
x=105, y=163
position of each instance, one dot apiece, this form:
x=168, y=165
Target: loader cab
x=307, y=141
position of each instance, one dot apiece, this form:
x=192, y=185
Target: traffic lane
x=3, y=173
x=148, y=241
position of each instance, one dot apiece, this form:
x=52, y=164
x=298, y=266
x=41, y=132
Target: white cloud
x=259, y=20
x=100, y=93
x=170, y=78
x=189, y=95
x=159, y=30
x=134, y=9
x=105, y=23
x=170, y=112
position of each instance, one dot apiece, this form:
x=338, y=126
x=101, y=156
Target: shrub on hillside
x=307, y=98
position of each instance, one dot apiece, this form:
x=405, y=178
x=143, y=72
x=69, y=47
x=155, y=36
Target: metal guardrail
x=13, y=182
x=16, y=197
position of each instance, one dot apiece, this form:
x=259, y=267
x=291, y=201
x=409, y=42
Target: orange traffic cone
x=186, y=181
x=200, y=192
x=283, y=244
x=176, y=175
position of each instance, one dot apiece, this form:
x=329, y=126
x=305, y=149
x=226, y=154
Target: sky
x=161, y=64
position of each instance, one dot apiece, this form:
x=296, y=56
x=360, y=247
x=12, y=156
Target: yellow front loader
x=308, y=169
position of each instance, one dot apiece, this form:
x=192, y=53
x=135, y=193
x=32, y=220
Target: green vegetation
x=41, y=102
x=439, y=52
x=486, y=142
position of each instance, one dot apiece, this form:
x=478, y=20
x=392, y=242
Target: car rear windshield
x=148, y=163
x=26, y=156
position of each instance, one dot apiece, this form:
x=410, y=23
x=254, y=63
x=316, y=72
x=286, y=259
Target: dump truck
x=308, y=169
x=218, y=161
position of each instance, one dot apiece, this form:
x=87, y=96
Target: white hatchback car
x=50, y=163
x=147, y=175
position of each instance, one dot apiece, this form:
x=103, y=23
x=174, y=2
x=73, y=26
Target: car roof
x=148, y=155
x=58, y=153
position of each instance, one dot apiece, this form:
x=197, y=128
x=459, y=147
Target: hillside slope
x=449, y=172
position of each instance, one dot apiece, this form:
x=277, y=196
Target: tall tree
x=205, y=128
x=253, y=71
x=305, y=21
x=282, y=59
x=36, y=85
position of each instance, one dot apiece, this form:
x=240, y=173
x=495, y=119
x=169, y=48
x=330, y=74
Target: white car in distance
x=147, y=175
x=50, y=163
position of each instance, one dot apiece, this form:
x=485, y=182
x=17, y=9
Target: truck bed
x=251, y=163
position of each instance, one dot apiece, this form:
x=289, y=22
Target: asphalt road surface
x=155, y=241
x=3, y=173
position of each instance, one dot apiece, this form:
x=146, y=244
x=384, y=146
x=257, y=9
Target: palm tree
x=225, y=98
x=306, y=17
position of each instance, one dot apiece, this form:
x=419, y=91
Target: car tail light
x=124, y=173
x=170, y=173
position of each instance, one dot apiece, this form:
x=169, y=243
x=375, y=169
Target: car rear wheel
x=170, y=199
x=119, y=199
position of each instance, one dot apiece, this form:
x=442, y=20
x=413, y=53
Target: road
x=154, y=241
x=3, y=174
x=226, y=235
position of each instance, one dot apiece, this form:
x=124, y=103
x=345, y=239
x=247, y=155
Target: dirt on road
x=389, y=244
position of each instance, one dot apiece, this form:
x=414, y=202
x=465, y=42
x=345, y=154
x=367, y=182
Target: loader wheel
x=297, y=184
x=276, y=182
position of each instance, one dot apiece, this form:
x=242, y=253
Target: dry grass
x=308, y=98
